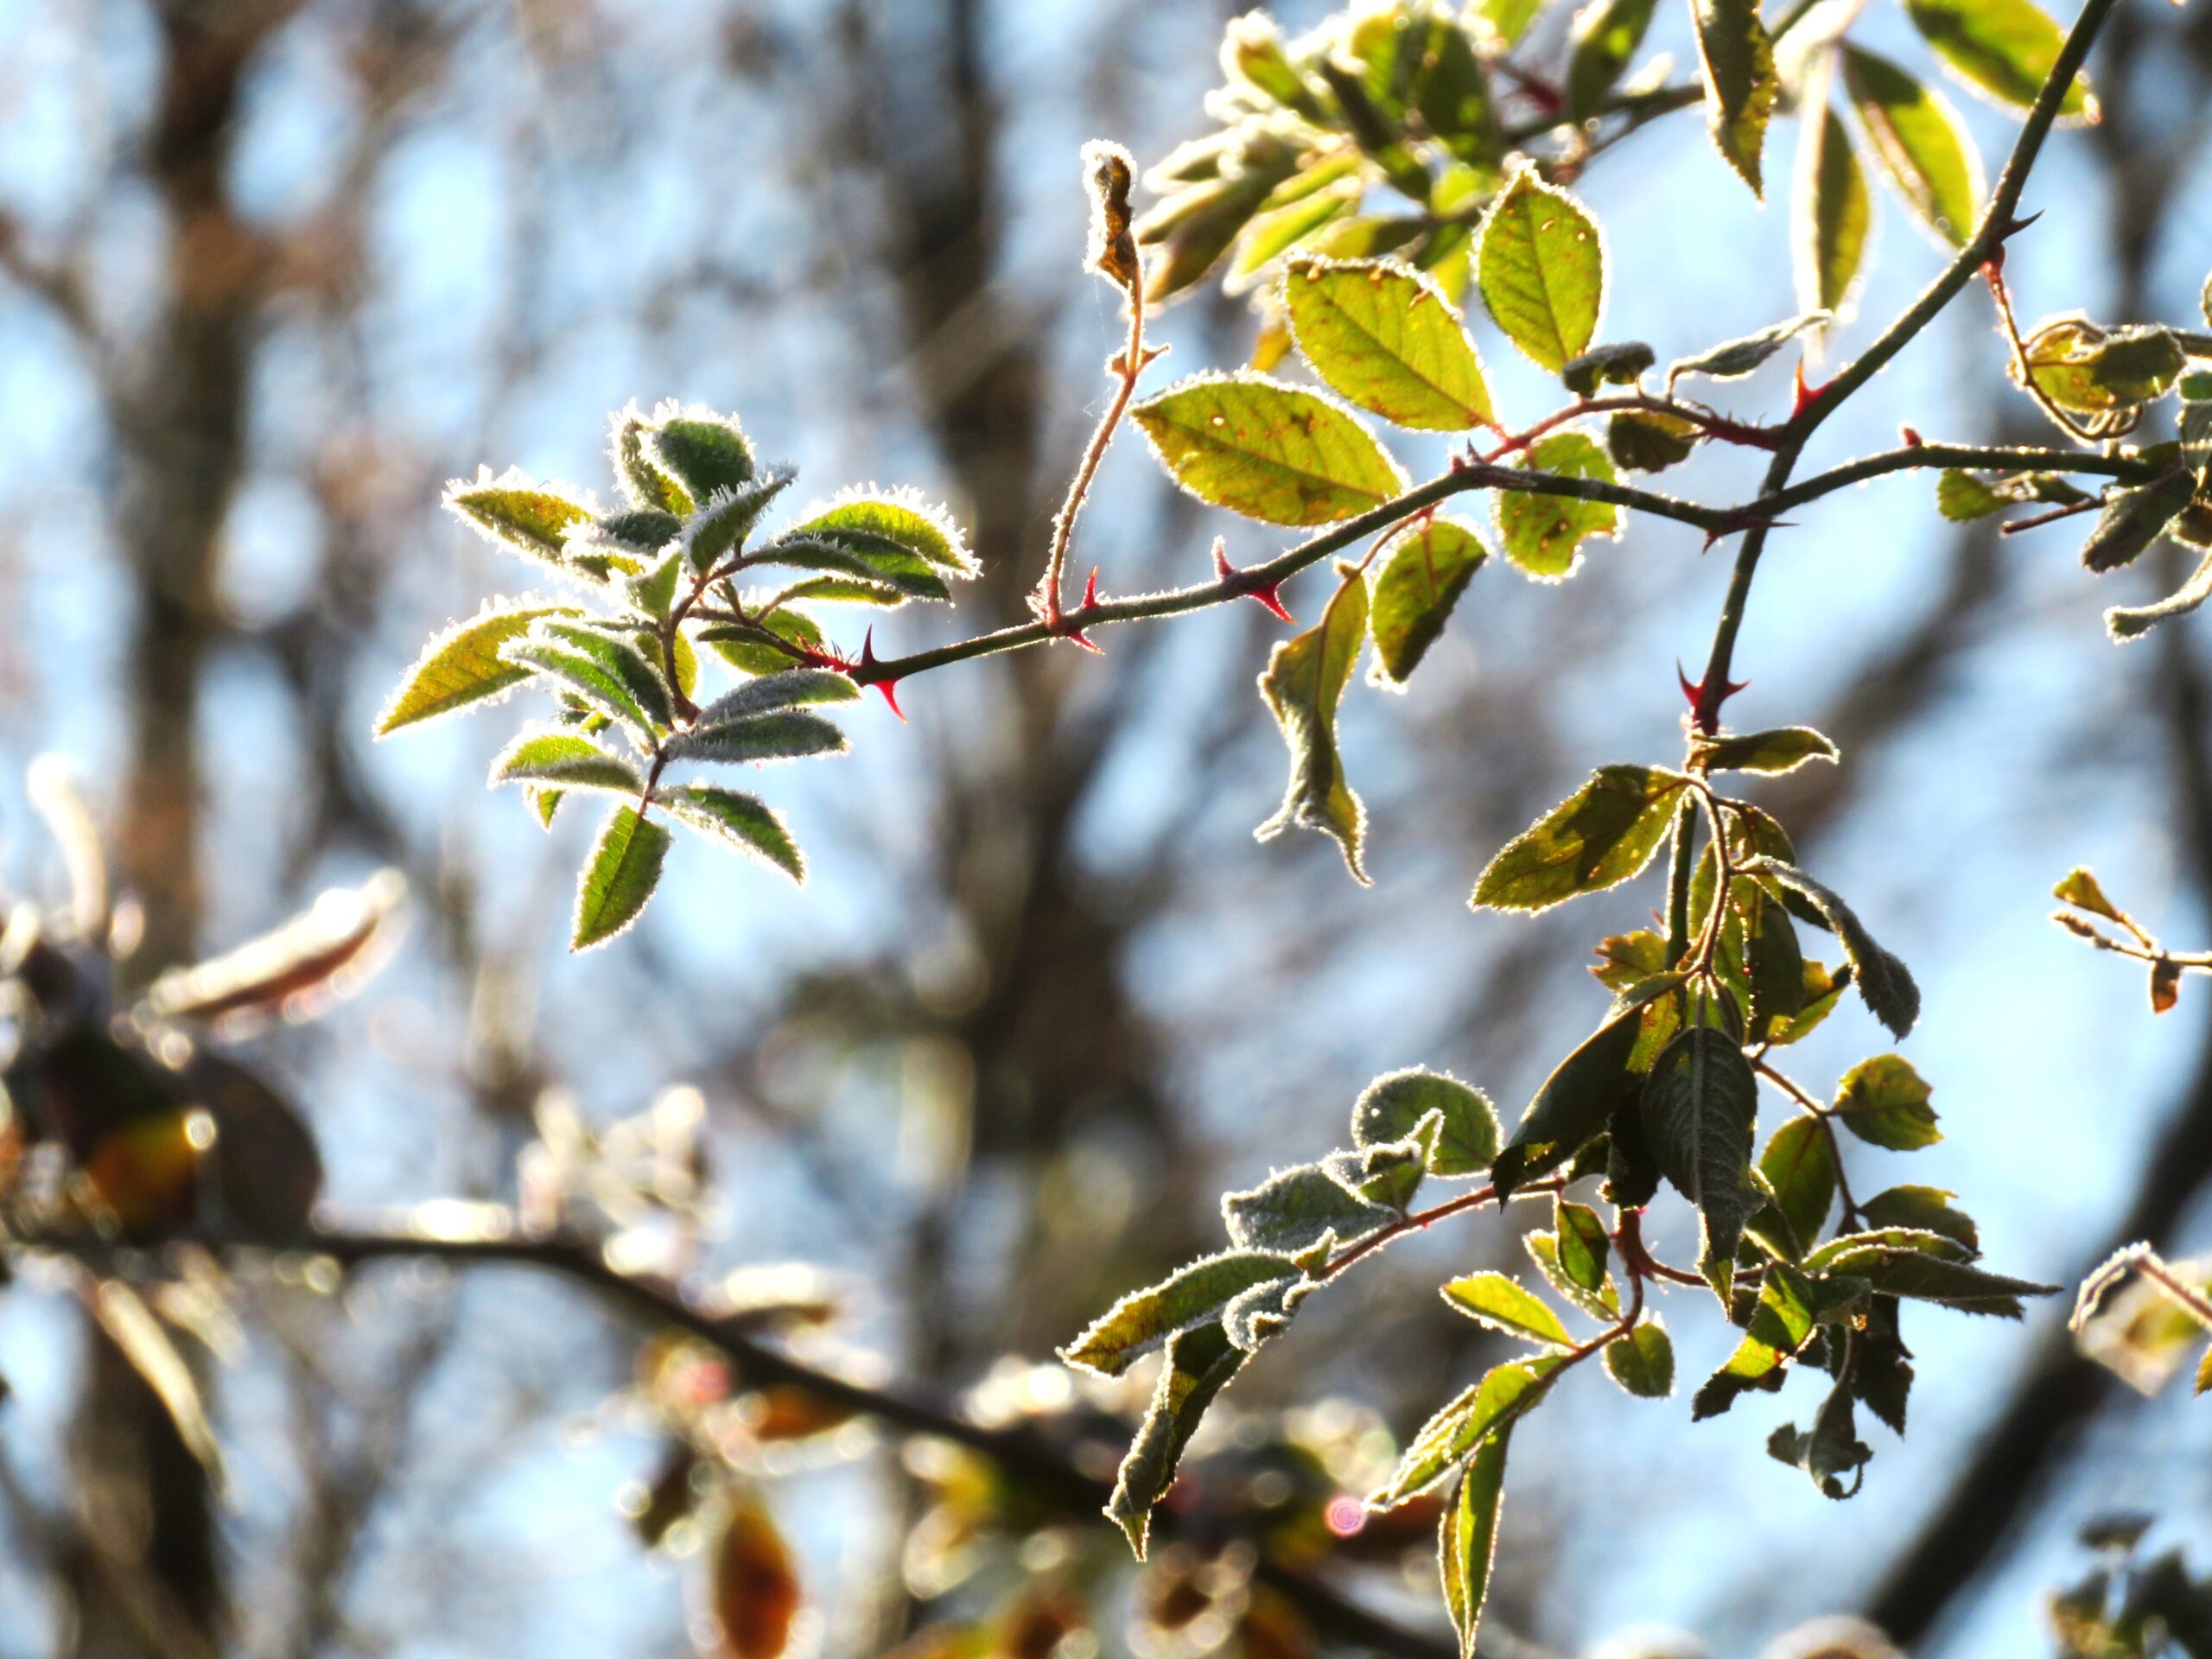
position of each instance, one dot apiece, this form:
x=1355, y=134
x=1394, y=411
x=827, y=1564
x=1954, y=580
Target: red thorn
x=1270, y=595
x=1691, y=690
x=1806, y=395
x=1693, y=693
x=889, y=685
x=1090, y=603
x=1912, y=438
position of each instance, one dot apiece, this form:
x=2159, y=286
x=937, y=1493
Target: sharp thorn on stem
x=1269, y=594
x=889, y=685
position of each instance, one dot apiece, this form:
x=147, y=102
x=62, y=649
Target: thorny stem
x=1128, y=366
x=1420, y=1218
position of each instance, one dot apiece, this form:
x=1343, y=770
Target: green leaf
x=1296, y=1209
x=1830, y=1451
x=580, y=674
x=1783, y=749
x=1584, y=1248
x=2133, y=518
x=1622, y=364
x=752, y=646
x=546, y=803
x=1509, y=19
x=1603, y=1303
x=890, y=526
x=1501, y=1303
x=1884, y=1102
x=1303, y=684
x=462, y=667
x=2128, y=622
x=2007, y=47
x=790, y=688
x=564, y=759
x=740, y=820
x=1277, y=231
x=1885, y=983
x=1740, y=82
x=1919, y=1276
x=621, y=648
x=1799, y=1168
x=1921, y=142
x=1252, y=1317
x=1468, y=1540
x=2091, y=370
x=792, y=735
x=1394, y=1106
x=1834, y=1256
x=1200, y=1362
x=1734, y=359
x=645, y=486
x=1922, y=1209
x=1193, y=1296
x=728, y=517
x=1576, y=1102
x=1834, y=216
x=1646, y=442
x=1643, y=1362
x=1541, y=265
x=1387, y=1173
x=1267, y=450
x=1606, y=36
x=1386, y=337
x=703, y=451
x=1961, y=497
x=1602, y=835
x=1543, y=534
x=517, y=513
x=1449, y=1437
x=872, y=560
x=1700, y=1105
x=1781, y=1320
x=1428, y=565
x=1452, y=95
x=621, y=874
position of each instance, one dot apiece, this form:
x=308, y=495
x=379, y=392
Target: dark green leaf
x=1387, y=1173
x=790, y=688
x=1268, y=451
x=701, y=450
x=1606, y=36
x=1830, y=1451
x=565, y=760
x=1603, y=1303
x=1620, y=364
x=1576, y=1102
x=1603, y=834
x=1646, y=442
x=1303, y=683
x=1835, y=214
x=1884, y=983
x=1734, y=359
x=1541, y=268
x=726, y=517
x=462, y=667
x=619, y=877
x=1584, y=1250
x=762, y=645
x=1799, y=1167
x=1394, y=1106
x=1643, y=1362
x=741, y=821
x=1700, y=1106
x=2133, y=518
x=1923, y=1209
x=873, y=560
x=1199, y=1363
x=1386, y=337
x=1452, y=94
x=582, y=675
x=1543, y=534
x=1428, y=565
x=1784, y=749
x=1921, y=1277
x=1884, y=1102
x=792, y=735
x=1740, y=82
x=1920, y=140
x=1191, y=1297
x=1781, y=1321
x=1469, y=1539
x=2007, y=47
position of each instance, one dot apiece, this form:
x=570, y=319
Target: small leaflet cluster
x=2133, y=1603
x=1665, y=1092
x=646, y=587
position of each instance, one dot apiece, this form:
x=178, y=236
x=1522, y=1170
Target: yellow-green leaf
x=1269, y=451
x=1603, y=834
x=1428, y=566
x=1834, y=215
x=1606, y=36
x=462, y=667
x=1385, y=336
x=1543, y=534
x=1740, y=82
x=1469, y=1539
x=1502, y=1303
x=619, y=877
x=2006, y=47
x=1920, y=140
x=1541, y=268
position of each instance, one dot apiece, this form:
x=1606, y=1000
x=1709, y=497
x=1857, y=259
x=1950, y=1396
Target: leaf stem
x=1128, y=367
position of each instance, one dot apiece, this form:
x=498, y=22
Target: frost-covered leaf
x=790, y=688
x=790, y=736
x=1199, y=1363
x=2006, y=47
x=886, y=523
x=565, y=759
x=1386, y=337
x=644, y=485
x=704, y=452
x=1541, y=265
x=1270, y=451
x=2132, y=519
x=870, y=561
x=1734, y=359
x=736, y=819
x=1603, y=834
x=619, y=877
x=1303, y=684
x=765, y=644
x=1885, y=983
x=515, y=513
x=584, y=672
x=1426, y=568
x=1920, y=140
x=1296, y=1209
x=462, y=667
x=1834, y=217
x=1884, y=1102
x=1543, y=534
x=726, y=517
x=1193, y=1296
x=1740, y=82
x=1394, y=1106
x=2127, y=622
